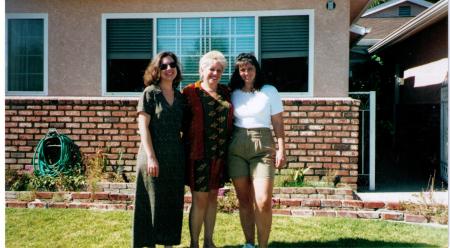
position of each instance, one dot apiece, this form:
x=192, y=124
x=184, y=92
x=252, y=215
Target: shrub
x=228, y=203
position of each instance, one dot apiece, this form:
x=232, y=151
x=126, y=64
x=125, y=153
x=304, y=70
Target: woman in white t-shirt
x=252, y=157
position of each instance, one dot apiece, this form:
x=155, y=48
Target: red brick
x=37, y=204
x=374, y=204
x=44, y=195
x=302, y=212
x=57, y=205
x=325, y=213
x=352, y=204
x=281, y=211
x=392, y=216
x=82, y=205
x=16, y=204
x=119, y=206
x=368, y=214
x=311, y=203
x=101, y=196
x=330, y=203
x=118, y=197
x=415, y=218
x=394, y=206
x=81, y=195
x=347, y=214
x=290, y=202
x=130, y=207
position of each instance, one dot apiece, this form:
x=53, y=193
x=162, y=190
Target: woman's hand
x=152, y=167
x=280, y=159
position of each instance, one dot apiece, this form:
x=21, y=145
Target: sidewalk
x=440, y=197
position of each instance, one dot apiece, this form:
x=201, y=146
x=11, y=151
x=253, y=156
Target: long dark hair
x=152, y=74
x=237, y=82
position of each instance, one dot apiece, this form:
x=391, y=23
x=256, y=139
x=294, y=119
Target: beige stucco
x=74, y=37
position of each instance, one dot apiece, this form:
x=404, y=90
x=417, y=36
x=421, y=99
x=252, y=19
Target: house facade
x=415, y=58
x=77, y=66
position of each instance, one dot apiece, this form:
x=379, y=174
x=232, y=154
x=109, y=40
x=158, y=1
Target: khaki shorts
x=251, y=153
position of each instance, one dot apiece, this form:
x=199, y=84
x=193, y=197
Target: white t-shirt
x=254, y=109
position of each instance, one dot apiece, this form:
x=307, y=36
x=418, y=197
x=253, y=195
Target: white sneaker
x=248, y=245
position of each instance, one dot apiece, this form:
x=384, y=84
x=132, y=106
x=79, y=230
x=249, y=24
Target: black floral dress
x=158, y=208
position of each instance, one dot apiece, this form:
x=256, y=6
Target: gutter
x=437, y=11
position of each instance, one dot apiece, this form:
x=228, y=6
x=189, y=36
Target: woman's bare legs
x=263, y=188
x=203, y=210
x=210, y=219
x=244, y=192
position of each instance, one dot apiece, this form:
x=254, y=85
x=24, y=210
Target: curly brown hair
x=152, y=74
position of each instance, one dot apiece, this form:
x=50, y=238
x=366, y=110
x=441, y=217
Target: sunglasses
x=165, y=66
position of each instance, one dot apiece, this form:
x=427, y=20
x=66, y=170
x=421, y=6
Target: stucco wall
x=75, y=37
x=423, y=63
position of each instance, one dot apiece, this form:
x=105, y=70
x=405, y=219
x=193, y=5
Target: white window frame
x=255, y=14
x=44, y=17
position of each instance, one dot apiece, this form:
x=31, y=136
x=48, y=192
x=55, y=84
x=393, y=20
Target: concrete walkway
x=440, y=197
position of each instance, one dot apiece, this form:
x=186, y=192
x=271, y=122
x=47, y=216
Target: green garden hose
x=56, y=154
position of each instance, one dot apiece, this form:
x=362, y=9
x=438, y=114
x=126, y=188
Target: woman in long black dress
x=158, y=209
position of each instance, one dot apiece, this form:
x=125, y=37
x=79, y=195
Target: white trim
x=392, y=3
x=255, y=14
x=44, y=17
x=367, y=42
x=417, y=23
x=372, y=139
x=360, y=30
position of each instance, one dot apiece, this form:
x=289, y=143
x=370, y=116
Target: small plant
x=427, y=205
x=296, y=178
x=19, y=182
x=331, y=178
x=94, y=169
x=26, y=196
x=58, y=197
x=228, y=203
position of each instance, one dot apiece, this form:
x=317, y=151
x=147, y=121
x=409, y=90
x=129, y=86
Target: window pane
x=220, y=26
x=166, y=44
x=167, y=27
x=190, y=27
x=284, y=51
x=245, y=25
x=126, y=75
x=35, y=64
x=196, y=36
x=221, y=44
x=287, y=74
x=245, y=44
x=190, y=46
x=25, y=55
x=190, y=64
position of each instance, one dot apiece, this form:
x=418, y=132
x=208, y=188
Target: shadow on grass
x=345, y=243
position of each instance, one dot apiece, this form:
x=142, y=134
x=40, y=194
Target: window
x=284, y=51
x=281, y=40
x=129, y=48
x=190, y=38
x=26, y=54
x=404, y=10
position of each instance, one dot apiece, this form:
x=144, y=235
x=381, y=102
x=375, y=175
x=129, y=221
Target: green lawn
x=89, y=228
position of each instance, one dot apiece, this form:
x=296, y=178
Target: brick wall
x=320, y=134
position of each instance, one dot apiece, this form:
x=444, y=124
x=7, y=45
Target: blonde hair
x=209, y=58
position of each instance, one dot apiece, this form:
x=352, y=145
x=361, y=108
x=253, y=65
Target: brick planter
x=300, y=207
x=321, y=134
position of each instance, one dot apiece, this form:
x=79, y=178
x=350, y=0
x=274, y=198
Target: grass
x=88, y=228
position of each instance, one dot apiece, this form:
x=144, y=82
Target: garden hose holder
x=56, y=154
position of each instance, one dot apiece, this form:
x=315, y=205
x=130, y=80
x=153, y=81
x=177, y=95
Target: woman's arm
x=278, y=128
x=146, y=140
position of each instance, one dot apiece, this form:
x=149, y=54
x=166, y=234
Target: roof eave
x=424, y=19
